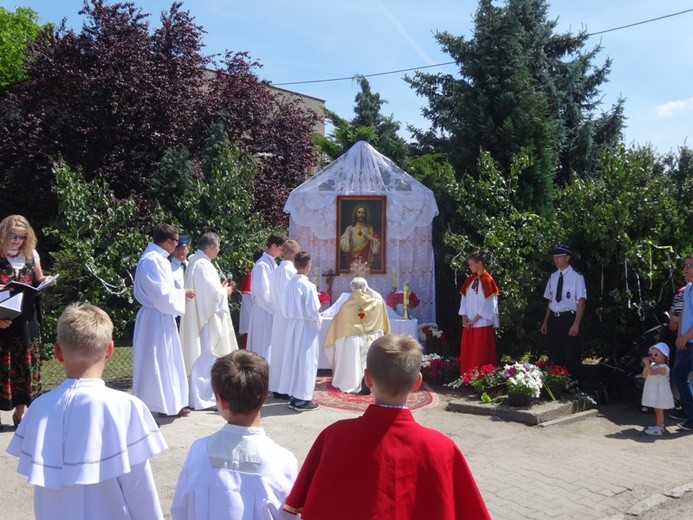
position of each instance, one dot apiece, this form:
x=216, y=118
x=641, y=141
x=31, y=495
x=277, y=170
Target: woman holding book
x=20, y=376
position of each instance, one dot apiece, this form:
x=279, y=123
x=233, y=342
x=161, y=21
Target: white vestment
x=349, y=360
x=86, y=449
x=158, y=372
x=260, y=328
x=246, y=311
x=301, y=307
x=278, y=280
x=206, y=330
x=474, y=303
x=237, y=473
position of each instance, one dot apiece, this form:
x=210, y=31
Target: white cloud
x=672, y=108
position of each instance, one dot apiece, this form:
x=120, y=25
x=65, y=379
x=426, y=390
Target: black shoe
x=281, y=397
x=687, y=426
x=678, y=415
x=303, y=406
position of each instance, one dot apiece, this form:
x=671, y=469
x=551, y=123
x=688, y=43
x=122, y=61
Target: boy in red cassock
x=384, y=464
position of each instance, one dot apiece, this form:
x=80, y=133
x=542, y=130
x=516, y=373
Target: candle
x=316, y=279
x=394, y=278
x=406, y=295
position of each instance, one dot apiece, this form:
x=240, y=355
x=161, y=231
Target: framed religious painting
x=361, y=234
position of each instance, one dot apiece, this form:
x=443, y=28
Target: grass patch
x=118, y=371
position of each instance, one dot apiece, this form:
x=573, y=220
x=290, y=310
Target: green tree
x=625, y=228
x=520, y=87
x=99, y=239
x=219, y=199
x=367, y=125
x=17, y=30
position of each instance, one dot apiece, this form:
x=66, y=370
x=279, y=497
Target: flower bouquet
x=556, y=378
x=395, y=298
x=486, y=380
x=524, y=382
x=433, y=339
x=437, y=370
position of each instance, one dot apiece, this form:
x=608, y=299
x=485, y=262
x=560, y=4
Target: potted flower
x=523, y=381
x=437, y=370
x=433, y=339
x=486, y=379
x=555, y=378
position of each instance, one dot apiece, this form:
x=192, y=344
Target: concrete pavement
x=597, y=468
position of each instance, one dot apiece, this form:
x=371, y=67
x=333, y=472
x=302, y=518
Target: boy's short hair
x=242, y=379
x=84, y=331
x=395, y=363
x=477, y=256
x=290, y=247
x=301, y=260
x=276, y=239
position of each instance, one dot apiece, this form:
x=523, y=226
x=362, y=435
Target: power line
x=344, y=78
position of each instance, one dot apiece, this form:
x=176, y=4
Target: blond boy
x=85, y=447
x=383, y=464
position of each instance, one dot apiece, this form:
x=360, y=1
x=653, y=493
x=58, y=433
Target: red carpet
x=327, y=395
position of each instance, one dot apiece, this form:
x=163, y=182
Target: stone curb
x=653, y=501
x=538, y=413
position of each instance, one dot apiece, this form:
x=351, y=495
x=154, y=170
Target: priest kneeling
x=359, y=322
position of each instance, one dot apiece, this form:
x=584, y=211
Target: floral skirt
x=20, y=374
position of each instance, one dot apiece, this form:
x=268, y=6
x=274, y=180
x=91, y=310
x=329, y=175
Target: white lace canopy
x=411, y=206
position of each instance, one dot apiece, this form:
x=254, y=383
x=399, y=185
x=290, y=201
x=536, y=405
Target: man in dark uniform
x=566, y=294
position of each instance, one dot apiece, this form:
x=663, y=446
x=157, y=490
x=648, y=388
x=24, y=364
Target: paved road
x=594, y=469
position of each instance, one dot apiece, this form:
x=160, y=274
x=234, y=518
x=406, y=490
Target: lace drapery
x=411, y=207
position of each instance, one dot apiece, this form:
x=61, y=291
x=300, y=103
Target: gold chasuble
x=360, y=314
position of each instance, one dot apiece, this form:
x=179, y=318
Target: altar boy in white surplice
x=85, y=447
x=238, y=472
x=301, y=308
x=359, y=322
x=206, y=330
x=278, y=280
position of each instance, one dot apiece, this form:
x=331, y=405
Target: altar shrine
x=363, y=195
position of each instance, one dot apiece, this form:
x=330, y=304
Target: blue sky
x=304, y=40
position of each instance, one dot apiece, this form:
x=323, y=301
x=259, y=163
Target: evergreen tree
x=520, y=87
x=367, y=125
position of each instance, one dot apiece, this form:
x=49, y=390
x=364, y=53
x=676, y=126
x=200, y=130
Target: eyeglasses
x=176, y=240
x=688, y=266
x=18, y=237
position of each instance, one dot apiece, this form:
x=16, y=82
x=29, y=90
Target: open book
x=10, y=307
x=25, y=287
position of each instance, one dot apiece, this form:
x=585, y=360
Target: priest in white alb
x=359, y=322
x=158, y=372
x=206, y=329
x=260, y=327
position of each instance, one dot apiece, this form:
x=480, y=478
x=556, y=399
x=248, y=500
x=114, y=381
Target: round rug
x=327, y=395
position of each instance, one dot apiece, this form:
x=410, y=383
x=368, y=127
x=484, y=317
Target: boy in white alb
x=301, y=308
x=238, y=472
x=85, y=447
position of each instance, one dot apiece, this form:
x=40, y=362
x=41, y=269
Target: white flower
x=426, y=360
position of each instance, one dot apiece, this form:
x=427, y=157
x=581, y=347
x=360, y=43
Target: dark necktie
x=559, y=288
x=475, y=285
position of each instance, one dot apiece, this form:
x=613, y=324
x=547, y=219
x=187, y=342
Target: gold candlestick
x=405, y=301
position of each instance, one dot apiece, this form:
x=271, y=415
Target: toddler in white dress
x=657, y=391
